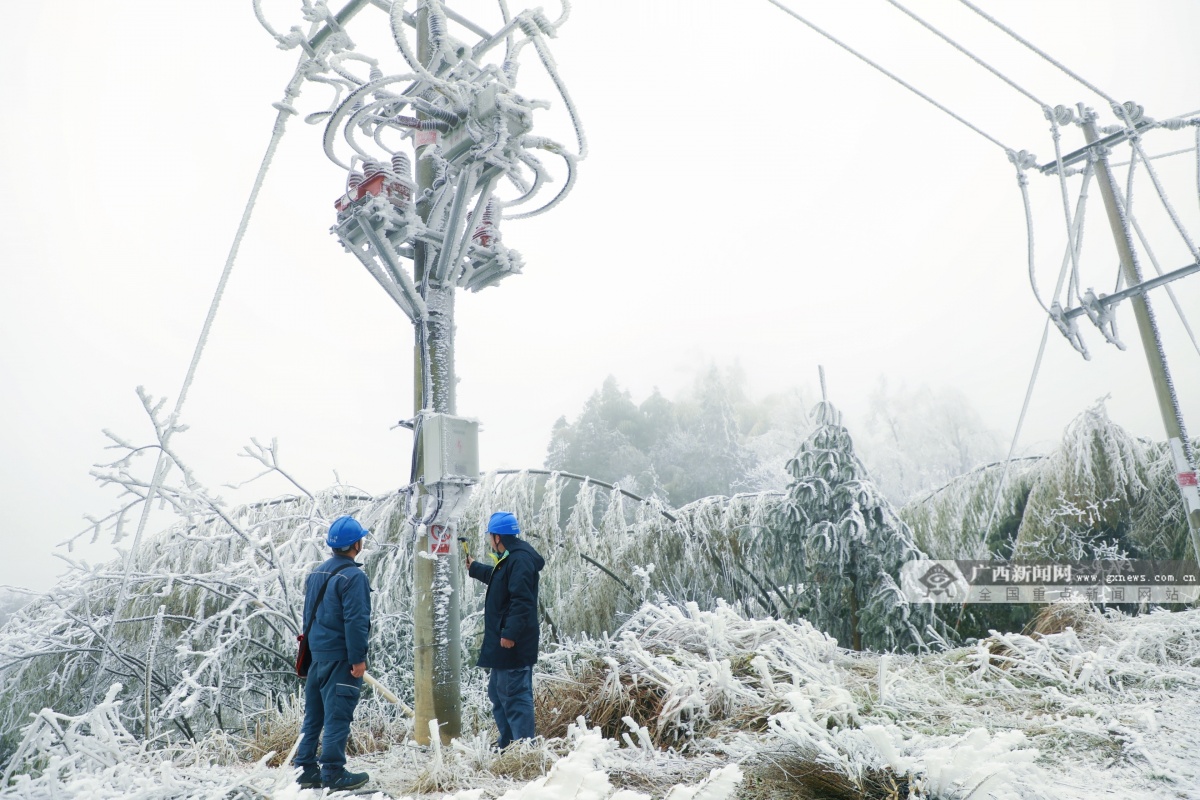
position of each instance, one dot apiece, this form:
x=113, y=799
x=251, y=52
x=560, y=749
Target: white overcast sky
x=753, y=195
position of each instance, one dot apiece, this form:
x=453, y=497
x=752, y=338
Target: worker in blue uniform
x=337, y=614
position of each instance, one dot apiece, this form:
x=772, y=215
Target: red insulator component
x=485, y=232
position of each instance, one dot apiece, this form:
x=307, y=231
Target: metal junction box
x=451, y=449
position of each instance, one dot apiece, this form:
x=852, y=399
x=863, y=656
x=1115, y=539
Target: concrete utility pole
x=437, y=659
x=471, y=134
x=1181, y=448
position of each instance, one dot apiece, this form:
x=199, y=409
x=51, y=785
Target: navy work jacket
x=343, y=625
x=510, y=610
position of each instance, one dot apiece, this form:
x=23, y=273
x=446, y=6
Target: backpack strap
x=321, y=595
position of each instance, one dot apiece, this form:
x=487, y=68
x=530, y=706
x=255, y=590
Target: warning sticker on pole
x=1186, y=478
x=439, y=539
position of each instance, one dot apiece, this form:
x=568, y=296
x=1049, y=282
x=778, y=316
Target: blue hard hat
x=503, y=523
x=344, y=532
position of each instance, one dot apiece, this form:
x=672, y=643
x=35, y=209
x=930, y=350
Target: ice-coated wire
x=1164, y=155
x=953, y=43
x=552, y=70
x=1137, y=228
x=1135, y=141
x=1066, y=203
x=1012, y=448
x=570, y=160
x=889, y=74
x=1023, y=183
x=506, y=17
x=162, y=464
x=1035, y=49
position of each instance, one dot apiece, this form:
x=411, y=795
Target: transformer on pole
x=427, y=225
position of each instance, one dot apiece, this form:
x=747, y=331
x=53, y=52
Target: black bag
x=303, y=653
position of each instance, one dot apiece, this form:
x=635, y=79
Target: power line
x=1037, y=50
x=891, y=75
x=966, y=52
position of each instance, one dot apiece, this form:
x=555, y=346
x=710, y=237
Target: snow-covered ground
x=686, y=704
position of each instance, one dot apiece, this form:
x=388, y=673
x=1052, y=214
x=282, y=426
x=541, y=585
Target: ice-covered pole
x=437, y=659
x=1168, y=405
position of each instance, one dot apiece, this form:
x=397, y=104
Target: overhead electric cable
x=966, y=52
x=1164, y=155
x=1170, y=292
x=891, y=75
x=1036, y=49
x=1066, y=204
x=1012, y=448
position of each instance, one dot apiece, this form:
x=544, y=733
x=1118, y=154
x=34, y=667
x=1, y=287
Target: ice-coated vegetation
x=687, y=652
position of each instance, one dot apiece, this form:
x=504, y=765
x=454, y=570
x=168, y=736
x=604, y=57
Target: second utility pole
x=1181, y=448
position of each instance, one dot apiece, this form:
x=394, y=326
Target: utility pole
x=1164, y=390
x=471, y=135
x=437, y=659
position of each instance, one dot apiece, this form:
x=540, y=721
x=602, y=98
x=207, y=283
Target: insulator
x=544, y=25
x=437, y=29
x=1063, y=115
x=437, y=112
x=376, y=73
x=420, y=124
x=1129, y=109
x=401, y=165
x=354, y=180
x=528, y=26
x=371, y=169
x=485, y=231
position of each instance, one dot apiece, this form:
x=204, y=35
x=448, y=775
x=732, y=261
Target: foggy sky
x=753, y=196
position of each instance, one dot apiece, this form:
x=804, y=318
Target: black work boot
x=347, y=781
x=310, y=777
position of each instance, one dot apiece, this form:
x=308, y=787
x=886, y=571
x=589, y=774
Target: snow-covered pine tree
x=852, y=544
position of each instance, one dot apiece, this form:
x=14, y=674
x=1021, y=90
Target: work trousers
x=511, y=693
x=330, y=696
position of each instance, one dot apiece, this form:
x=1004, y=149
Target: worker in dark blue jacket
x=338, y=637
x=510, y=626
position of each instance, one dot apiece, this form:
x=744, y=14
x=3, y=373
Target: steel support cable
x=889, y=74
x=948, y=40
x=1036, y=49
x=163, y=463
x=1012, y=448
